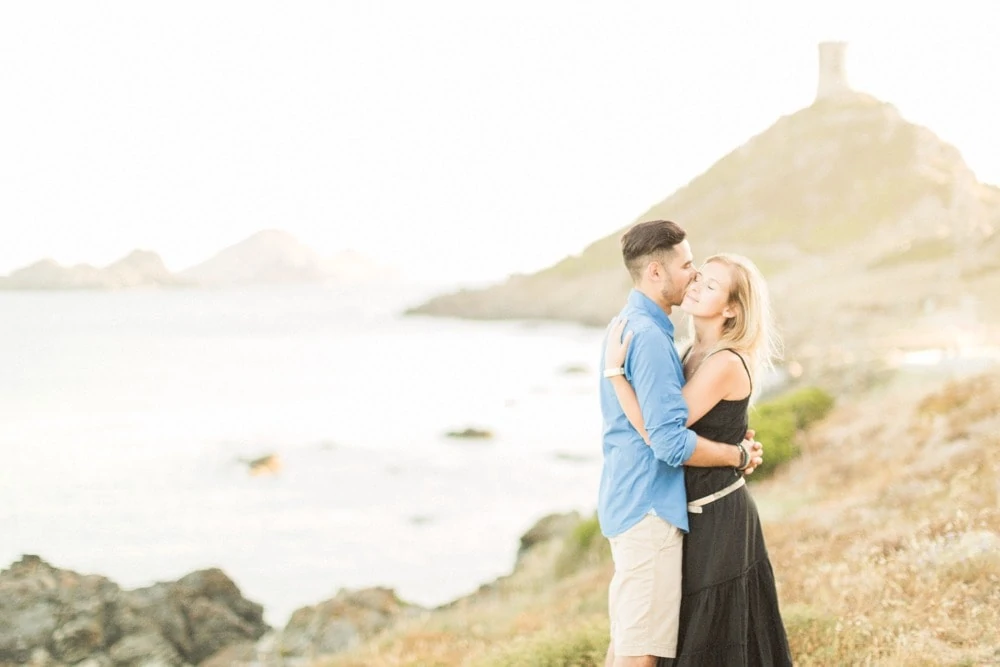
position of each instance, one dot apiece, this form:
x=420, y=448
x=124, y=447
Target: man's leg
x=635, y=661
x=627, y=660
x=644, y=596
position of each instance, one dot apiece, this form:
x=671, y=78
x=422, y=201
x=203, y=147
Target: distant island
x=268, y=257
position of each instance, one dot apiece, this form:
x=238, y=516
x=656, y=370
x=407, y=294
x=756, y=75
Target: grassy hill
x=884, y=536
x=862, y=221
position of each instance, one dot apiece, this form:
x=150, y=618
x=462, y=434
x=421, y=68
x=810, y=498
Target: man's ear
x=654, y=271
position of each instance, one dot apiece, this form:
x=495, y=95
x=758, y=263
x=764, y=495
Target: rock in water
x=264, y=465
x=471, y=434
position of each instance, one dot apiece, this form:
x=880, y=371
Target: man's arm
x=711, y=454
x=653, y=372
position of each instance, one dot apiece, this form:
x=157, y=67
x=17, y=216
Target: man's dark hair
x=647, y=240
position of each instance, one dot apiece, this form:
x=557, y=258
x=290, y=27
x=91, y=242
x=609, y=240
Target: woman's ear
x=729, y=312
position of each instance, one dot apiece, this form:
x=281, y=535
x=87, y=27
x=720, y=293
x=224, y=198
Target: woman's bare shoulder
x=724, y=364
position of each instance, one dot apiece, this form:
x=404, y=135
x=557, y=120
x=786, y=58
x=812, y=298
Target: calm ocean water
x=123, y=417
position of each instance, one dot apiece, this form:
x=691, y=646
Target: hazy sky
x=461, y=140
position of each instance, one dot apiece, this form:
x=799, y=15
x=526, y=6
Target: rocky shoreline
x=53, y=617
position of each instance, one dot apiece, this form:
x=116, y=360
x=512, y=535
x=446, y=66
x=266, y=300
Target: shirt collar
x=644, y=304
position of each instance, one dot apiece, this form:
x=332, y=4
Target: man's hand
x=756, y=452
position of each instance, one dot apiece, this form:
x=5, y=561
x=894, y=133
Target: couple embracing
x=693, y=584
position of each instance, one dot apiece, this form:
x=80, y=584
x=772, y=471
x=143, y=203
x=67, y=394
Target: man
x=642, y=505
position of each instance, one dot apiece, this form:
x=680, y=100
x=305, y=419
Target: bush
x=585, y=533
x=778, y=422
x=585, y=545
x=809, y=405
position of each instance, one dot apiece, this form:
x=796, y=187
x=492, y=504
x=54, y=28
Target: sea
x=127, y=420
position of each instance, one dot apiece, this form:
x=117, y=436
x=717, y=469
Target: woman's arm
x=615, y=352
x=630, y=404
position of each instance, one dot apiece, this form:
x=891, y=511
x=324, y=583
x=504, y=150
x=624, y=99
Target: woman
x=729, y=609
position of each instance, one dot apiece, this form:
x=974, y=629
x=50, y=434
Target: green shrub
x=778, y=422
x=776, y=429
x=585, y=545
x=809, y=405
x=585, y=533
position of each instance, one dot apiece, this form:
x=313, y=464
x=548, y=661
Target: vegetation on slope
x=884, y=535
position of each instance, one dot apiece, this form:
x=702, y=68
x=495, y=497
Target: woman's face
x=708, y=294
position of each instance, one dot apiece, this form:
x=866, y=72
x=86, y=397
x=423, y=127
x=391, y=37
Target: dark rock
x=78, y=639
x=145, y=650
x=547, y=528
x=343, y=622
x=263, y=465
x=471, y=433
x=96, y=660
x=421, y=519
x=243, y=653
x=42, y=658
x=57, y=617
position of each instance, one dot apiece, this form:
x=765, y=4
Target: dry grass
x=543, y=604
x=885, y=538
x=898, y=560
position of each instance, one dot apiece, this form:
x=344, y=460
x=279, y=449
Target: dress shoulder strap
x=744, y=361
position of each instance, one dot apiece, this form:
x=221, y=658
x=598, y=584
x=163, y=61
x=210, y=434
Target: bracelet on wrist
x=744, y=458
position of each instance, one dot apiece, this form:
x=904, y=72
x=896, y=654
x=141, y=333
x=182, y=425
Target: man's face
x=679, y=271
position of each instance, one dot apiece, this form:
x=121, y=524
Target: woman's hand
x=755, y=451
x=617, y=346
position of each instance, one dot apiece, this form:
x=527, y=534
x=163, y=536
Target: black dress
x=729, y=609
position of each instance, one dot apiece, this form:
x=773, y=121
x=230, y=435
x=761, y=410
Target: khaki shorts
x=644, y=599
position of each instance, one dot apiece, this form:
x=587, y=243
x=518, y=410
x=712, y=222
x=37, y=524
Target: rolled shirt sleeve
x=655, y=373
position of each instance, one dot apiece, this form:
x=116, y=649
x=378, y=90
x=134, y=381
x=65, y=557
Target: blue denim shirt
x=637, y=478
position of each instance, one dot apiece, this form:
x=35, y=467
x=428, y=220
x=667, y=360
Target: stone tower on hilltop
x=832, y=76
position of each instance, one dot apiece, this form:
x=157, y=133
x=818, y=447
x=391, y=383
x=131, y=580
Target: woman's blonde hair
x=751, y=331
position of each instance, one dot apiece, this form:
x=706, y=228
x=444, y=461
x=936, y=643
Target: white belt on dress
x=695, y=505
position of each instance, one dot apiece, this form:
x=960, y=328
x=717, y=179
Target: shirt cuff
x=690, y=444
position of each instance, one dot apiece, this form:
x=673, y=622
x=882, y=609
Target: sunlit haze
x=454, y=141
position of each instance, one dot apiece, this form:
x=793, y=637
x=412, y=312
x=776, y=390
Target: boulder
x=547, y=528
x=342, y=622
x=54, y=617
